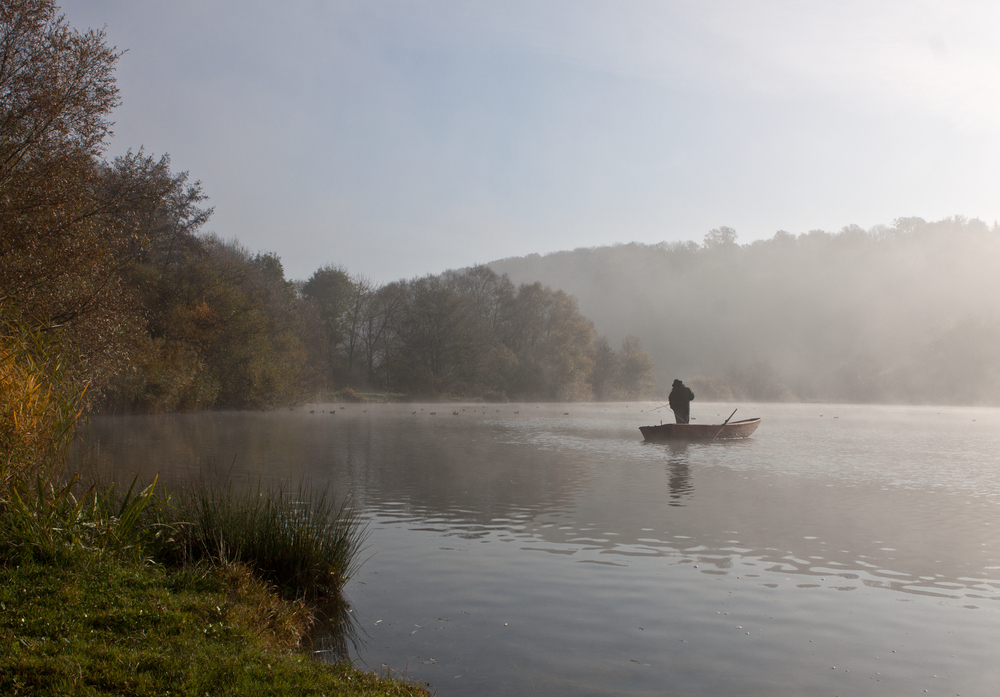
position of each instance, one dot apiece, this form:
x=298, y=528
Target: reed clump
x=302, y=541
x=223, y=584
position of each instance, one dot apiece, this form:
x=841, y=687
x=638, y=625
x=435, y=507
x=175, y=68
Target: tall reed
x=40, y=403
x=303, y=541
x=49, y=523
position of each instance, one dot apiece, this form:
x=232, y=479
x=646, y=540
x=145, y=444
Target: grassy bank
x=108, y=628
x=133, y=590
x=137, y=592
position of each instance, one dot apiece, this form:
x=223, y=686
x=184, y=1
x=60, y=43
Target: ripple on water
x=594, y=564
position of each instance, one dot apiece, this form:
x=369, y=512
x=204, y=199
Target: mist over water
x=545, y=548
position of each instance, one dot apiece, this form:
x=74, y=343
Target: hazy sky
x=405, y=137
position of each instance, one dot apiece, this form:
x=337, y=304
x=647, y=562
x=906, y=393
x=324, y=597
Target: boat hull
x=733, y=430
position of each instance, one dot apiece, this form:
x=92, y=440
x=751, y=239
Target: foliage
x=161, y=317
x=86, y=558
x=626, y=375
x=637, y=380
x=337, y=300
x=40, y=403
x=52, y=524
x=607, y=370
x=67, y=225
x=107, y=255
x=472, y=333
x=720, y=238
x=225, y=329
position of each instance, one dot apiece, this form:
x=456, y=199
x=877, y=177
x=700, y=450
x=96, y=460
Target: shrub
x=40, y=403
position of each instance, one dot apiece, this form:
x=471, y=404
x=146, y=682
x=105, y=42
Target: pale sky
x=405, y=137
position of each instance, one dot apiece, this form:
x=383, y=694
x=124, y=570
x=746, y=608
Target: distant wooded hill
x=902, y=313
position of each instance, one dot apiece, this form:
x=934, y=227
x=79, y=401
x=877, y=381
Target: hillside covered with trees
x=110, y=286
x=904, y=313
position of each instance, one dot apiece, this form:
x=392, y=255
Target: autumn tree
x=468, y=333
x=65, y=228
x=226, y=330
x=435, y=333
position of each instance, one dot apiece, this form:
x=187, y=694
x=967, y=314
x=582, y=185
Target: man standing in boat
x=680, y=402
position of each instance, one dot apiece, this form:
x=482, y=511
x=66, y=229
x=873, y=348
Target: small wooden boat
x=732, y=430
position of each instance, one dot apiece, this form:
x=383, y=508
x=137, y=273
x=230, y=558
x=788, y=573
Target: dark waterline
x=842, y=550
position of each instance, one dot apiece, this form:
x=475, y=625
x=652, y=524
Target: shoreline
x=102, y=627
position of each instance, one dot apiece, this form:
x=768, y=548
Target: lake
x=545, y=549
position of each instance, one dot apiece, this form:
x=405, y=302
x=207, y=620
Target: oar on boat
x=724, y=424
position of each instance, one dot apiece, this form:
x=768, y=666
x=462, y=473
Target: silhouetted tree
x=604, y=377
x=636, y=377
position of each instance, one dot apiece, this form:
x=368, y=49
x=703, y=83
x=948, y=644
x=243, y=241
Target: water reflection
x=337, y=632
x=680, y=473
x=586, y=486
x=491, y=528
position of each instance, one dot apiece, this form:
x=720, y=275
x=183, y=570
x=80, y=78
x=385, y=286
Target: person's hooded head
x=677, y=383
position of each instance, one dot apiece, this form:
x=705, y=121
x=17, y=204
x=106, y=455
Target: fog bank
x=903, y=313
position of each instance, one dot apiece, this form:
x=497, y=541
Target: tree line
x=109, y=261
x=901, y=313
x=470, y=333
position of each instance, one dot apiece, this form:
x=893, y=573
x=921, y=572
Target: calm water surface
x=545, y=549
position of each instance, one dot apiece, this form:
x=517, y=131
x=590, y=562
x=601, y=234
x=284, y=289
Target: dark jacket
x=680, y=397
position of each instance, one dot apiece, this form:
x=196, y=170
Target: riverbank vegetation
x=111, y=629
x=104, y=299
x=122, y=590
x=110, y=590
x=302, y=543
x=79, y=621
x=468, y=334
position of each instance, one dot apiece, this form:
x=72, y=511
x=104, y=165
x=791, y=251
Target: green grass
x=303, y=542
x=109, y=591
x=135, y=591
x=113, y=629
